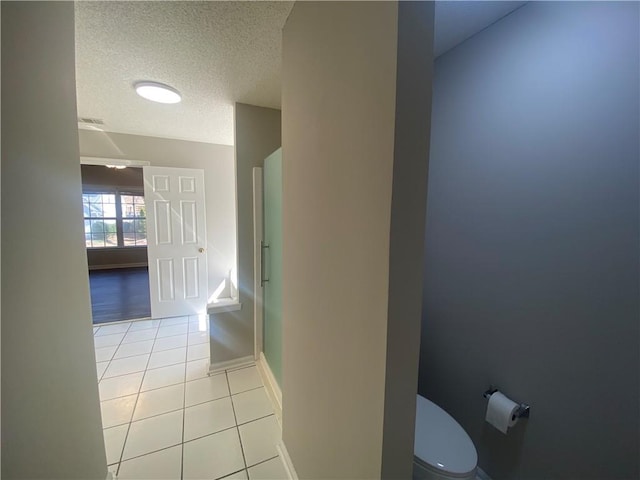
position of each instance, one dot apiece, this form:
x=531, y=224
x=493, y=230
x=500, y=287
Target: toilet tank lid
x=440, y=441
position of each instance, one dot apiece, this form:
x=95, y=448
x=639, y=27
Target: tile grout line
x=164, y=386
x=256, y=419
x=126, y=437
x=193, y=440
x=262, y=461
x=183, y=432
x=155, y=351
x=172, y=411
x=150, y=453
x=186, y=407
x=135, y=355
x=210, y=435
x=178, y=383
x=248, y=390
x=156, y=368
x=144, y=340
x=184, y=414
x=233, y=473
x=251, y=421
x=110, y=359
x=184, y=382
x=179, y=444
x=103, y=373
x=105, y=326
x=147, y=418
x=150, y=328
x=235, y=418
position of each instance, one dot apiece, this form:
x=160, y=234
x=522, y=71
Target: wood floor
x=119, y=294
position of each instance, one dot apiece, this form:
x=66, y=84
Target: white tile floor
x=165, y=418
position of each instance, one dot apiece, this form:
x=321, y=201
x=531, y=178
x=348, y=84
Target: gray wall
x=217, y=163
x=532, y=239
x=122, y=257
x=51, y=426
x=257, y=135
x=102, y=176
x=354, y=192
x=408, y=207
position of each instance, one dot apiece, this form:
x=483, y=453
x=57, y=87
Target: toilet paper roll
x=501, y=412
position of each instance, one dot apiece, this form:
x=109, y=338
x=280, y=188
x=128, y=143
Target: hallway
x=164, y=417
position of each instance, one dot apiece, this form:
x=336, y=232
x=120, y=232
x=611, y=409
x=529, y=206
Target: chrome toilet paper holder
x=523, y=408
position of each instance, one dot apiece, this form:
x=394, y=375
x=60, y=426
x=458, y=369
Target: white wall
x=217, y=161
x=355, y=152
x=51, y=424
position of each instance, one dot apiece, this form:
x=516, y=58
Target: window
x=134, y=222
x=114, y=219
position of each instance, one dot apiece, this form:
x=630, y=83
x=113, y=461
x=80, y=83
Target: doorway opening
x=115, y=228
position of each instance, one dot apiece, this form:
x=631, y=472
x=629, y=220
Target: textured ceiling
x=214, y=53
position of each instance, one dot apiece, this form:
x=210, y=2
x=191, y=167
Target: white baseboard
x=224, y=305
x=114, y=266
x=272, y=387
x=226, y=365
x=286, y=461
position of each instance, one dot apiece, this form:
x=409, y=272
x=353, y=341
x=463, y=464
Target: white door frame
x=258, y=237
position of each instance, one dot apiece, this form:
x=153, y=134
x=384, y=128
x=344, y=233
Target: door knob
x=201, y=250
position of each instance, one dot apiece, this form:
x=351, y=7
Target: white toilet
x=442, y=449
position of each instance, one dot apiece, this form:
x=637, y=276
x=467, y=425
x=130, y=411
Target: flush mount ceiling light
x=157, y=92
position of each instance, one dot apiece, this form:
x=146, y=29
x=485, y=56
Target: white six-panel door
x=177, y=240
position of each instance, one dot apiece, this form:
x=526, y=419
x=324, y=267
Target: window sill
x=224, y=305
